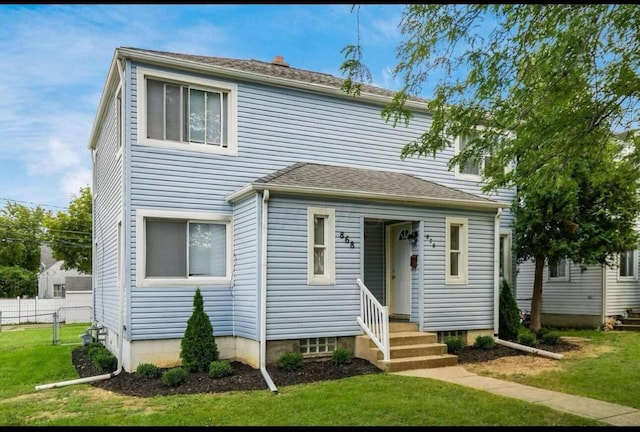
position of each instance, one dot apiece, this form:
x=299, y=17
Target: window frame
x=328, y=278
x=506, y=260
x=62, y=288
x=196, y=83
x=463, y=264
x=189, y=217
x=567, y=271
x=634, y=276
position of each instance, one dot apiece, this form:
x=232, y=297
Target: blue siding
x=277, y=127
x=298, y=310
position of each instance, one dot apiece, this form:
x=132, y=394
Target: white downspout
x=263, y=293
x=121, y=322
x=496, y=274
x=603, y=318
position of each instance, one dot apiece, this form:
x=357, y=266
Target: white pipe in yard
x=529, y=349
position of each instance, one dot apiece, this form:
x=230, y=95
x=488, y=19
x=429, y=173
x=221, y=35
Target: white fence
x=76, y=307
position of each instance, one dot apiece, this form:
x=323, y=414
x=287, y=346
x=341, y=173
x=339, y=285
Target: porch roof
x=312, y=179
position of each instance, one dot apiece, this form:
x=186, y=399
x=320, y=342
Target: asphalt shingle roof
x=360, y=180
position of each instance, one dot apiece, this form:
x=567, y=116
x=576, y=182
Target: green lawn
x=28, y=358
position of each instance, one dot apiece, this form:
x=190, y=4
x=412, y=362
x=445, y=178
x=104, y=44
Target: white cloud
x=73, y=180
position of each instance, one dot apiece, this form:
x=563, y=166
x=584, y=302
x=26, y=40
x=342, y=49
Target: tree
x=20, y=236
x=198, y=347
x=69, y=233
x=508, y=314
x=543, y=90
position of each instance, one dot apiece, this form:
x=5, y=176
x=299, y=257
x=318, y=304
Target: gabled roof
x=314, y=179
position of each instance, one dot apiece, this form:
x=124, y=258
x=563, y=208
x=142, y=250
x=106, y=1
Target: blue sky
x=55, y=60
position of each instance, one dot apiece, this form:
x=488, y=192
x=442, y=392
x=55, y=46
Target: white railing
x=374, y=319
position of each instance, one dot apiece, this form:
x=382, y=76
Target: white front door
x=400, y=291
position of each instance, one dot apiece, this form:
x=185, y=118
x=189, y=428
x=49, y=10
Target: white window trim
x=464, y=250
x=330, y=239
x=232, y=133
x=567, y=272
x=119, y=122
x=507, y=262
x=635, y=269
x=143, y=281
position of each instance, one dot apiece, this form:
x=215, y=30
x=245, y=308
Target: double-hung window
x=456, y=250
x=177, y=248
x=186, y=112
x=559, y=271
x=627, y=265
x=320, y=246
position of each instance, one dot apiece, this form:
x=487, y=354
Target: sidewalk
x=617, y=415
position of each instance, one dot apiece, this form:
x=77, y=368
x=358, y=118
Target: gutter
x=496, y=274
x=529, y=349
x=263, y=293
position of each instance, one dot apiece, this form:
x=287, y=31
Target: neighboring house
x=54, y=282
x=273, y=191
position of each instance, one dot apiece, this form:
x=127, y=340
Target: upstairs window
x=559, y=271
x=193, y=112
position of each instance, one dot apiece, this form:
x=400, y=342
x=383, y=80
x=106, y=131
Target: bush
x=105, y=361
x=455, y=344
x=16, y=281
x=174, y=376
x=290, y=361
x=220, y=368
x=198, y=347
x=147, y=371
x=527, y=338
x=508, y=314
x=341, y=356
x=95, y=348
x=551, y=338
x=484, y=342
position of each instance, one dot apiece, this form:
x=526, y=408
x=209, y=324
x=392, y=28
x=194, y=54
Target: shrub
x=17, y=281
x=105, y=361
x=198, y=347
x=455, y=344
x=147, y=371
x=508, y=314
x=95, y=348
x=220, y=368
x=174, y=376
x=341, y=356
x=290, y=361
x=527, y=338
x=484, y=342
x=550, y=338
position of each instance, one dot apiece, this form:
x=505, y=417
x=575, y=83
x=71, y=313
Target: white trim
x=462, y=278
x=634, y=277
x=143, y=281
x=232, y=133
x=330, y=238
x=507, y=261
x=565, y=278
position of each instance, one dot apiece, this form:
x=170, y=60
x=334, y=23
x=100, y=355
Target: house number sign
x=346, y=239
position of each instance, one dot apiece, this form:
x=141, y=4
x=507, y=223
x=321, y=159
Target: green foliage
x=198, y=347
x=174, y=376
x=16, y=281
x=20, y=236
x=550, y=338
x=147, y=371
x=104, y=360
x=69, y=233
x=543, y=95
x=509, y=314
x=527, y=338
x=341, y=356
x=455, y=344
x=291, y=361
x=484, y=342
x=95, y=348
x=220, y=368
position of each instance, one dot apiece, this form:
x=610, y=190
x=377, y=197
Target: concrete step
x=402, y=326
x=632, y=321
x=627, y=327
x=418, y=350
x=420, y=362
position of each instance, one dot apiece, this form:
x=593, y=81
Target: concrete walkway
x=606, y=412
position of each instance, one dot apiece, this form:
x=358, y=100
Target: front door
x=400, y=278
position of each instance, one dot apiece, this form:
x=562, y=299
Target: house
x=286, y=202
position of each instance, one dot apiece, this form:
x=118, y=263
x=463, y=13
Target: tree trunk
x=536, y=300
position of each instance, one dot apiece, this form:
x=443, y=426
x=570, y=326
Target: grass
x=28, y=358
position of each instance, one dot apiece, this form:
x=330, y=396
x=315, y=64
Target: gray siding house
x=286, y=202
